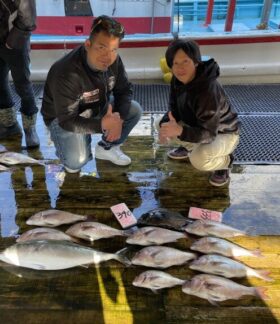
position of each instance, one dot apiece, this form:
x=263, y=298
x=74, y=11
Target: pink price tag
x=124, y=215
x=205, y=214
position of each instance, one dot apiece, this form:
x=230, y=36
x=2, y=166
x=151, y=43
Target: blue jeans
x=74, y=150
x=16, y=61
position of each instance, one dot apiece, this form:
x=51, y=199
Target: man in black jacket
x=200, y=118
x=87, y=92
x=17, y=21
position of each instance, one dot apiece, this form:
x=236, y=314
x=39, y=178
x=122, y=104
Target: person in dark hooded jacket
x=200, y=119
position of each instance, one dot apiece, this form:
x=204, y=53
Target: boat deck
x=105, y=294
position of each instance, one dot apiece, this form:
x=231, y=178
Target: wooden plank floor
x=105, y=294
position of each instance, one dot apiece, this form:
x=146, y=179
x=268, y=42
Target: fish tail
x=264, y=274
x=127, y=232
x=261, y=292
x=121, y=257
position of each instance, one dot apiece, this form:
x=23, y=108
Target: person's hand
x=111, y=125
x=170, y=129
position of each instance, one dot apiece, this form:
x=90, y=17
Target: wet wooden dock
x=105, y=294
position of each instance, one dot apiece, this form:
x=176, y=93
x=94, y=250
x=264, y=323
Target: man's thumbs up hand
x=170, y=129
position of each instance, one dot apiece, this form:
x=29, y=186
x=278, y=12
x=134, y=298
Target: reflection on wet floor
x=105, y=294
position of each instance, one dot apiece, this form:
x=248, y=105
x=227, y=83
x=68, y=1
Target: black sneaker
x=179, y=153
x=219, y=178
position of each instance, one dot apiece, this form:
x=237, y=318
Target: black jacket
x=17, y=21
x=202, y=105
x=75, y=94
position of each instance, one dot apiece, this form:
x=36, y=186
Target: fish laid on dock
x=206, y=227
x=161, y=257
x=12, y=158
x=43, y=233
x=92, y=231
x=151, y=235
x=155, y=280
x=56, y=255
x=217, y=289
x=54, y=217
x=220, y=246
x=226, y=267
x=162, y=217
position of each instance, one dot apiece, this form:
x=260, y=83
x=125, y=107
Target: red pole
x=230, y=15
x=209, y=13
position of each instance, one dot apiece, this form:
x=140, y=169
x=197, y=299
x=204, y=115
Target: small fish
x=223, y=247
x=217, y=289
x=92, y=231
x=161, y=257
x=43, y=233
x=206, y=227
x=151, y=235
x=4, y=168
x=226, y=267
x=162, y=217
x=56, y=255
x=155, y=280
x=12, y=158
x=53, y=218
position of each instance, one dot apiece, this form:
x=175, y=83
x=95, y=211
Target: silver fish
x=55, y=255
x=216, y=289
x=154, y=280
x=161, y=257
x=223, y=247
x=43, y=233
x=206, y=227
x=226, y=267
x=12, y=158
x=162, y=217
x=54, y=217
x=151, y=235
x=92, y=231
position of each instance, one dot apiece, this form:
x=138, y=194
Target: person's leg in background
x=19, y=62
x=9, y=126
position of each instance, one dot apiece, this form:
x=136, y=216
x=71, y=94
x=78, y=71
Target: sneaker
x=114, y=154
x=179, y=153
x=219, y=178
x=71, y=170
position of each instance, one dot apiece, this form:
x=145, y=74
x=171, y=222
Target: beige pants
x=208, y=157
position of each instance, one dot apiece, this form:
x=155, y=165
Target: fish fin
x=264, y=274
x=210, y=286
x=213, y=302
x=155, y=291
x=261, y=293
x=38, y=267
x=85, y=266
x=120, y=256
x=128, y=232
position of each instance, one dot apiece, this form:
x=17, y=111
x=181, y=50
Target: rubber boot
x=29, y=127
x=9, y=126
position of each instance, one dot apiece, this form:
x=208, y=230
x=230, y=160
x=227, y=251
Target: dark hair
x=107, y=25
x=190, y=47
